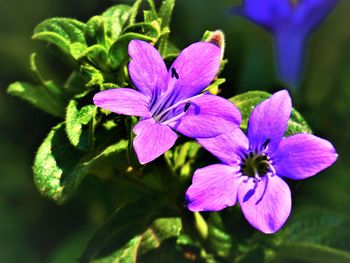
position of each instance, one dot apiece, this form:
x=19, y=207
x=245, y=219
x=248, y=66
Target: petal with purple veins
x=303, y=155
x=193, y=70
x=152, y=140
x=207, y=116
x=269, y=121
x=123, y=101
x=147, y=68
x=213, y=188
x=265, y=204
x=227, y=147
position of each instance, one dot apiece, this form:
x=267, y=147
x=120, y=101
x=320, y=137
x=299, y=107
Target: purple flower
x=291, y=21
x=170, y=101
x=252, y=168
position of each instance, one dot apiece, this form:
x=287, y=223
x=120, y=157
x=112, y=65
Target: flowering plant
x=140, y=118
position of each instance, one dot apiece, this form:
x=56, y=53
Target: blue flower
x=252, y=166
x=291, y=22
x=170, y=101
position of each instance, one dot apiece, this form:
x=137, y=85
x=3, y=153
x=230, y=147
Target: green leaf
x=91, y=75
x=96, y=55
x=118, y=52
x=59, y=168
x=317, y=226
x=39, y=96
x=61, y=32
x=166, y=11
x=133, y=12
x=247, y=101
x=313, y=235
x=145, y=28
x=74, y=84
x=218, y=239
x=80, y=124
x=213, y=88
x=95, y=31
x=182, y=159
x=130, y=232
x=116, y=18
x=301, y=252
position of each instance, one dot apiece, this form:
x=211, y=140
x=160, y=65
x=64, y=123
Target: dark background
x=33, y=229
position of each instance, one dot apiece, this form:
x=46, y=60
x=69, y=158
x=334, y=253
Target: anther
x=268, y=140
x=187, y=106
x=174, y=73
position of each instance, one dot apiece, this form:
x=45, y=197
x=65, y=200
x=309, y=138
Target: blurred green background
x=33, y=229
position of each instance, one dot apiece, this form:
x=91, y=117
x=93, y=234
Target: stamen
x=256, y=175
x=187, y=106
x=266, y=143
x=160, y=115
x=174, y=73
x=179, y=116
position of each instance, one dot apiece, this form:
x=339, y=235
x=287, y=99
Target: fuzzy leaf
x=80, y=124
x=313, y=235
x=61, y=32
x=116, y=18
x=39, y=96
x=247, y=101
x=59, y=168
x=91, y=75
x=166, y=11
x=130, y=233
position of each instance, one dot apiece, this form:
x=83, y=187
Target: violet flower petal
x=303, y=155
x=193, y=70
x=310, y=13
x=147, y=69
x=265, y=204
x=269, y=121
x=207, y=116
x=152, y=140
x=265, y=12
x=213, y=188
x=227, y=147
x=123, y=101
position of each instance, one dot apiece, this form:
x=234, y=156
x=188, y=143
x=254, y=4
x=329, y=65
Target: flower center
x=256, y=163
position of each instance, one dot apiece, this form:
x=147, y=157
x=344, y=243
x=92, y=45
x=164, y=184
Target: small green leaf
x=59, y=168
x=61, y=32
x=182, y=159
x=39, y=96
x=218, y=238
x=95, y=31
x=74, y=84
x=313, y=235
x=213, y=88
x=91, y=75
x=80, y=124
x=97, y=55
x=301, y=252
x=116, y=18
x=130, y=232
x=247, y=101
x=133, y=12
x=150, y=29
x=166, y=11
x=118, y=52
